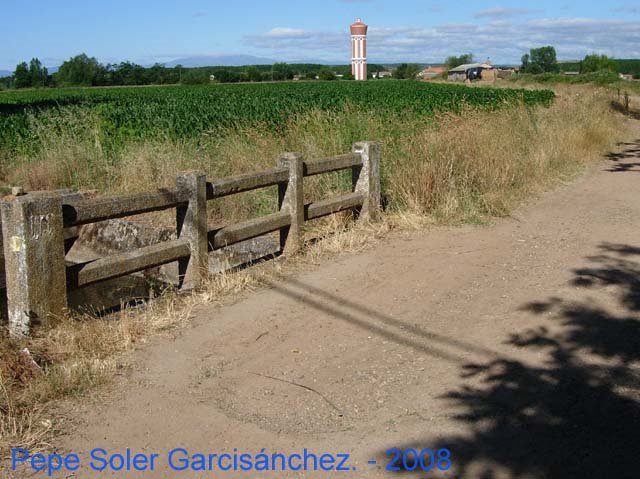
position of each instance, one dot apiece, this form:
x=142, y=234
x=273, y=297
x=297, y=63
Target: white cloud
x=505, y=41
x=503, y=12
x=287, y=33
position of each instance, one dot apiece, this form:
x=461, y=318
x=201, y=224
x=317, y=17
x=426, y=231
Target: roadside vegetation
x=599, y=78
x=470, y=163
x=540, y=67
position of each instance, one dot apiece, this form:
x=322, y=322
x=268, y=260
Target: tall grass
x=451, y=168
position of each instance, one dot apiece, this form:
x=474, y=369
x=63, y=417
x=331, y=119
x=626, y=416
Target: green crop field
x=177, y=112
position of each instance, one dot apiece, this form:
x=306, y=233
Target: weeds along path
x=515, y=345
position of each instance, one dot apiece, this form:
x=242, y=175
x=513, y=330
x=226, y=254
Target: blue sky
x=400, y=30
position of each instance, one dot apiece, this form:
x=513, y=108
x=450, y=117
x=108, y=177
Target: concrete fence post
x=291, y=199
x=627, y=109
x=191, y=222
x=33, y=243
x=366, y=179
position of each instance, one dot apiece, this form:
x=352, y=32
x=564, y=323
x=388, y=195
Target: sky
x=420, y=31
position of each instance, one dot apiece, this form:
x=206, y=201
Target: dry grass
x=480, y=165
x=76, y=355
x=451, y=169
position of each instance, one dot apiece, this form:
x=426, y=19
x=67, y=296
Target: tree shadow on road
x=576, y=414
x=622, y=159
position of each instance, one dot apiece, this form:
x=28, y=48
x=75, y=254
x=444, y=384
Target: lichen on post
x=366, y=179
x=291, y=200
x=34, y=259
x=191, y=222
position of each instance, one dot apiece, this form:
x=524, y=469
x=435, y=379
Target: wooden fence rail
x=39, y=228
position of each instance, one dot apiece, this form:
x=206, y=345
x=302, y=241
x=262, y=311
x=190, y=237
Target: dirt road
x=515, y=346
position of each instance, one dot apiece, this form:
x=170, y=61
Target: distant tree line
x=594, y=62
x=543, y=60
x=82, y=70
x=629, y=66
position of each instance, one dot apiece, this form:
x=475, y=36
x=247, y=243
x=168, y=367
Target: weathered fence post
x=33, y=242
x=627, y=109
x=366, y=179
x=192, y=225
x=291, y=199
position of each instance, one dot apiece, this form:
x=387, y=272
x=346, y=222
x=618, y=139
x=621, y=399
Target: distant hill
x=220, y=60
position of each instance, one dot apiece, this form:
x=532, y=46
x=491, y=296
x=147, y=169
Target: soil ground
x=516, y=346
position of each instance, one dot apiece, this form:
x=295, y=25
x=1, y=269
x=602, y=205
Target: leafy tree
x=127, y=73
x=105, y=76
x=6, y=82
x=545, y=57
x=178, y=69
x=79, y=70
x=253, y=74
x=535, y=69
x=225, y=75
x=453, y=61
x=596, y=63
x=406, y=71
x=540, y=60
x=22, y=77
x=326, y=74
x=348, y=76
x=38, y=73
x=197, y=77
x=281, y=71
x=399, y=72
x=157, y=74
x=529, y=67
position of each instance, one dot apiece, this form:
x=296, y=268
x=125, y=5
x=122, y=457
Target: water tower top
x=358, y=28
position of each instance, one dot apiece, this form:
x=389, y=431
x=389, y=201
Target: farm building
x=383, y=74
x=471, y=71
x=432, y=72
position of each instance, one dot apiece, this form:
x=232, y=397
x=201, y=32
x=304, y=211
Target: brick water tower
x=359, y=50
